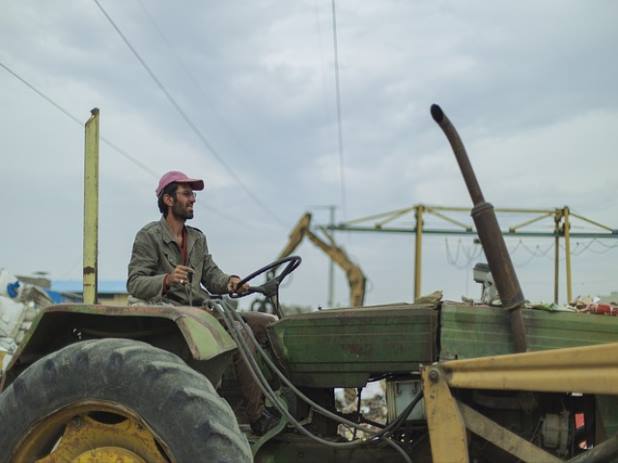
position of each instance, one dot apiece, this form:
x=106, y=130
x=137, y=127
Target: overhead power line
x=318, y=28
x=77, y=121
x=186, y=118
x=181, y=63
x=114, y=147
x=464, y=256
x=339, y=126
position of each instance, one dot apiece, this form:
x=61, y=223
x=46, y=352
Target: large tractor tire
x=116, y=400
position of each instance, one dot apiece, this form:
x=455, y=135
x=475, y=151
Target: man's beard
x=181, y=212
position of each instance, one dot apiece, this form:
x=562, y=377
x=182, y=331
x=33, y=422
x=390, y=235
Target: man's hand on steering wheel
x=271, y=287
x=232, y=285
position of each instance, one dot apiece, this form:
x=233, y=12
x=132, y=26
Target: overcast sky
x=531, y=87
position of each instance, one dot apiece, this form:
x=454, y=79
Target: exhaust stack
x=489, y=233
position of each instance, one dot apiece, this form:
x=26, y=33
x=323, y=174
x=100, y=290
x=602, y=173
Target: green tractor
x=96, y=383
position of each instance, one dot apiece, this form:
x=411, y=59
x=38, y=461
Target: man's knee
x=258, y=322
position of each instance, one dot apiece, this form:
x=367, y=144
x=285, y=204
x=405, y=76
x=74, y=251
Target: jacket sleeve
x=213, y=278
x=145, y=279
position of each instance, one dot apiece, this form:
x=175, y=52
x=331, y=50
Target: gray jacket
x=155, y=253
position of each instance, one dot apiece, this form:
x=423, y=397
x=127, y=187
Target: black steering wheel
x=271, y=287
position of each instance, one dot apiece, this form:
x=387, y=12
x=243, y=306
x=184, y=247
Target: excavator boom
x=354, y=274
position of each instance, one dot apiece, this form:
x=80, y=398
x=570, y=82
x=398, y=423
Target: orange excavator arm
x=296, y=235
x=356, y=277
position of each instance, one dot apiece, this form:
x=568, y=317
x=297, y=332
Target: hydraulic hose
x=265, y=387
x=258, y=376
x=230, y=316
x=388, y=429
x=254, y=368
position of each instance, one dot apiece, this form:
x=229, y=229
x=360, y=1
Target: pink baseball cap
x=177, y=176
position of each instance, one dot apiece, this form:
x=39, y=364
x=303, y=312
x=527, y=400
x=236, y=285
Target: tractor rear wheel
x=116, y=400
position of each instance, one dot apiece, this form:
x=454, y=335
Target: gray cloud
x=531, y=86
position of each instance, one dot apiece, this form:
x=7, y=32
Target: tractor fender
x=194, y=334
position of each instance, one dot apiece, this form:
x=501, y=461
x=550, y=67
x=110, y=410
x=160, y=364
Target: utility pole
x=567, y=252
x=557, y=220
x=331, y=264
x=418, y=250
x=91, y=208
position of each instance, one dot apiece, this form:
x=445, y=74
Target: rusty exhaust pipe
x=487, y=227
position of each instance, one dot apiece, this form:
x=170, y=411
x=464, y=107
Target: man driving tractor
x=169, y=264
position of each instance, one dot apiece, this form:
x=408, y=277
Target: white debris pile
x=19, y=304
x=373, y=406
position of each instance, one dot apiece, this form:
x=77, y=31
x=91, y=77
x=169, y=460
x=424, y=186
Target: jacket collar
x=191, y=239
x=169, y=238
x=166, y=233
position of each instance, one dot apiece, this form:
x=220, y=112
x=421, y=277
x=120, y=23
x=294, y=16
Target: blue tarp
x=55, y=296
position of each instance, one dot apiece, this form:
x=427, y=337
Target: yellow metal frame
x=91, y=207
x=447, y=429
x=562, y=228
x=588, y=370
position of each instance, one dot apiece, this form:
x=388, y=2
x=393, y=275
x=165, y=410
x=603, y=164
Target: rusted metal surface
x=489, y=233
x=343, y=347
x=204, y=335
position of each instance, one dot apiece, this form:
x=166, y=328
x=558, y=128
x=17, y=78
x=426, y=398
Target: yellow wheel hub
x=108, y=455
x=92, y=432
